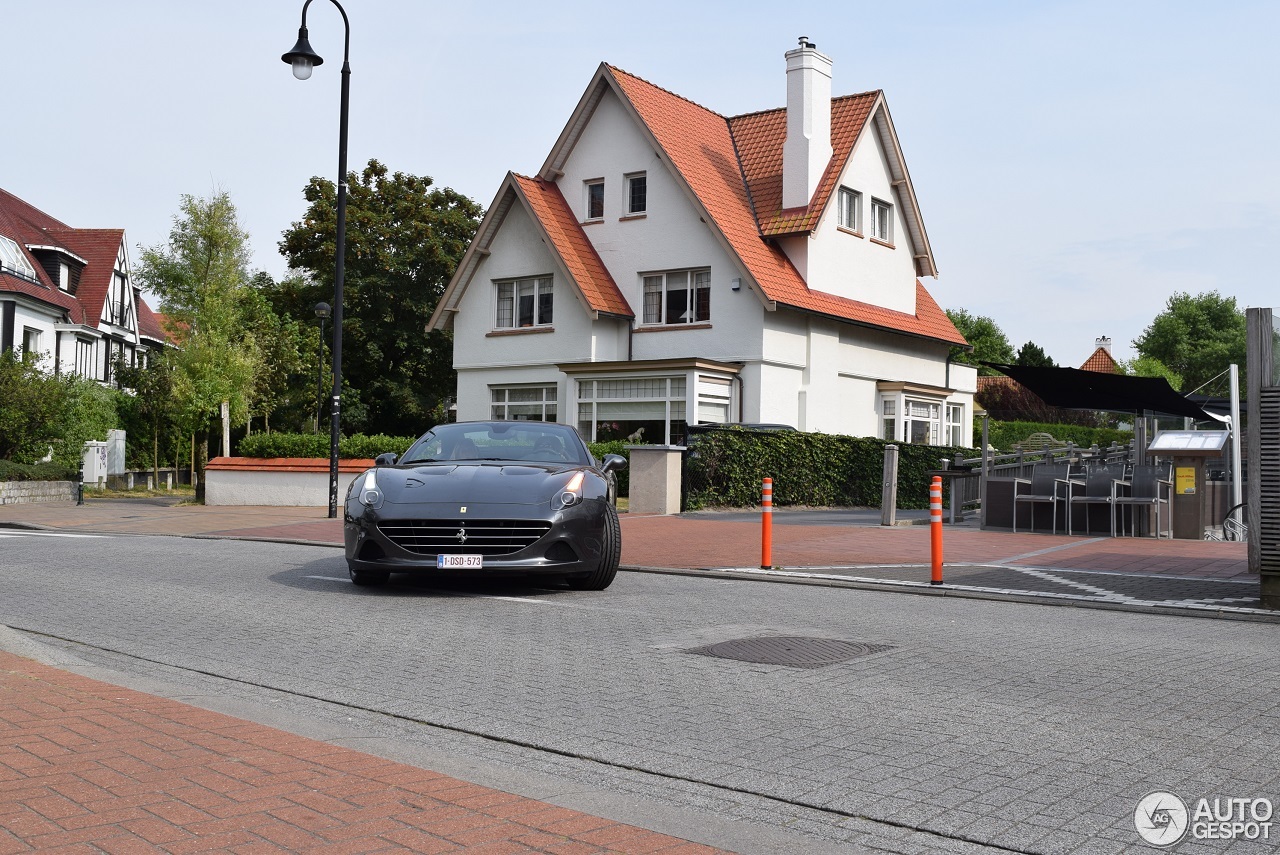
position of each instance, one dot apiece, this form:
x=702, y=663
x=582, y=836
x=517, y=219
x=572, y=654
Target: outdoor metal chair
x=1047, y=486
x=1143, y=489
x=1099, y=486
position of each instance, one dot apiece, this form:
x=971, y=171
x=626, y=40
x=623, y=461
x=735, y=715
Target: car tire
x=602, y=576
x=368, y=578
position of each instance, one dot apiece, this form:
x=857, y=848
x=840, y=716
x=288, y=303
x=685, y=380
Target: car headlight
x=571, y=493
x=369, y=494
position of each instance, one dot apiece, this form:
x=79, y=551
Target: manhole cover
x=795, y=651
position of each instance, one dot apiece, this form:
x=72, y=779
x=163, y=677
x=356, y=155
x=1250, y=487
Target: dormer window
x=637, y=193
x=850, y=210
x=595, y=200
x=14, y=260
x=881, y=221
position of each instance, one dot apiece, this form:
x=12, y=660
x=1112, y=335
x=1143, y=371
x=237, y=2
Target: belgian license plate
x=454, y=562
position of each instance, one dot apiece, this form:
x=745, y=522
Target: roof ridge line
x=666, y=90
x=783, y=108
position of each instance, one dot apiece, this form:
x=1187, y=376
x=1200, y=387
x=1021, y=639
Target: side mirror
x=613, y=462
x=388, y=459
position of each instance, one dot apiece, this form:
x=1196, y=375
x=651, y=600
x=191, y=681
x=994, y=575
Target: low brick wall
x=30, y=492
x=280, y=481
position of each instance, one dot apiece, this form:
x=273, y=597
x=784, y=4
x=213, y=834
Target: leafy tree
x=151, y=406
x=31, y=407
x=1196, y=338
x=987, y=339
x=1149, y=366
x=1031, y=355
x=404, y=240
x=202, y=278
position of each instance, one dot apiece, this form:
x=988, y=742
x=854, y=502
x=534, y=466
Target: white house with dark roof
x=66, y=294
x=669, y=265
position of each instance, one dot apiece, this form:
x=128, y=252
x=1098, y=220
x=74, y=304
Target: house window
x=64, y=276
x=84, y=357
x=30, y=344
x=890, y=409
x=635, y=409
x=524, y=303
x=637, y=193
x=677, y=297
x=882, y=221
x=524, y=403
x=850, y=209
x=955, y=424
x=921, y=422
x=595, y=200
x=14, y=260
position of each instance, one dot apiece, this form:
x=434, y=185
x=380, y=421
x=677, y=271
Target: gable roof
x=1102, y=362
x=97, y=249
x=551, y=214
x=700, y=147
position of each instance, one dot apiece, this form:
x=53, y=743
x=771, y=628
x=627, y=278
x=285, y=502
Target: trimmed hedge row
x=354, y=447
x=10, y=471
x=358, y=446
x=725, y=469
x=1003, y=435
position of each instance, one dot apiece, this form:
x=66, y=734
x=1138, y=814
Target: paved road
x=962, y=726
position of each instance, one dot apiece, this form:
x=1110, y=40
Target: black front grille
x=446, y=537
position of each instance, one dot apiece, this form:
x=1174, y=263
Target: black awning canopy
x=1075, y=389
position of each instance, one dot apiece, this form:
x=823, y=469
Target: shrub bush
x=355, y=447
x=615, y=446
x=1003, y=435
x=10, y=471
x=725, y=469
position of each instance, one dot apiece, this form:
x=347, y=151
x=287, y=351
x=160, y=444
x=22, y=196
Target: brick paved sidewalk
x=90, y=767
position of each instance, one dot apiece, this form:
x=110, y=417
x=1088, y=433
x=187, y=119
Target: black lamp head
x=302, y=57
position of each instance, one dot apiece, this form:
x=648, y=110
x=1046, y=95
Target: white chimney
x=1104, y=342
x=807, y=151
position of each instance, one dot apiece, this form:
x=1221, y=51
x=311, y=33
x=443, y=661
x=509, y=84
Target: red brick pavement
x=90, y=767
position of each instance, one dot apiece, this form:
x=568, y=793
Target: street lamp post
x=303, y=59
x=322, y=312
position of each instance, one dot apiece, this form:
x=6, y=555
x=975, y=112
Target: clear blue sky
x=1076, y=163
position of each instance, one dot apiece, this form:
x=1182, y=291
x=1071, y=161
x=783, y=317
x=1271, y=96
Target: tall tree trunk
x=155, y=455
x=202, y=456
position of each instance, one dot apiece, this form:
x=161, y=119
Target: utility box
x=1189, y=449
x=94, y=468
x=115, y=452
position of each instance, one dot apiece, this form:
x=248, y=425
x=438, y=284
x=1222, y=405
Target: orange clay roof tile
x=570, y=242
x=1102, y=362
x=700, y=144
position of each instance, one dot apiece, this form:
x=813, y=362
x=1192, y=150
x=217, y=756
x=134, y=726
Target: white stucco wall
x=838, y=262
x=28, y=316
x=282, y=489
x=670, y=236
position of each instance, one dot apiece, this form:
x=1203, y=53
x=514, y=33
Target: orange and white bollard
x=935, y=528
x=766, y=525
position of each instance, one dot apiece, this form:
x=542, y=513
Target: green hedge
x=1003, y=435
x=362, y=446
x=10, y=471
x=725, y=469
x=356, y=446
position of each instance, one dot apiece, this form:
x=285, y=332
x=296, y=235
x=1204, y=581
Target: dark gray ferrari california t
x=487, y=499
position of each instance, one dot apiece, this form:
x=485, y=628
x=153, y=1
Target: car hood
x=475, y=483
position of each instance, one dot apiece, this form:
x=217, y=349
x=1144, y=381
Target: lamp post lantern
x=322, y=314
x=303, y=59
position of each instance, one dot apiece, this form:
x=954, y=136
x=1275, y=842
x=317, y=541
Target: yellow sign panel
x=1184, y=480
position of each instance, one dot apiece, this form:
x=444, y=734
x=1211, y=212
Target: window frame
x=697, y=297
x=548, y=402
x=589, y=187
x=849, y=216
x=955, y=424
x=543, y=301
x=629, y=202
x=14, y=260
x=881, y=220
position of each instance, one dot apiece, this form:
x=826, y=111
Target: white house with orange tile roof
x=669, y=265
x=67, y=297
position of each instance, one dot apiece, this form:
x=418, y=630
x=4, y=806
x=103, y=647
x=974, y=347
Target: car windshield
x=537, y=442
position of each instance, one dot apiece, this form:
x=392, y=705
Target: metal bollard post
x=80, y=487
x=766, y=525
x=935, y=526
